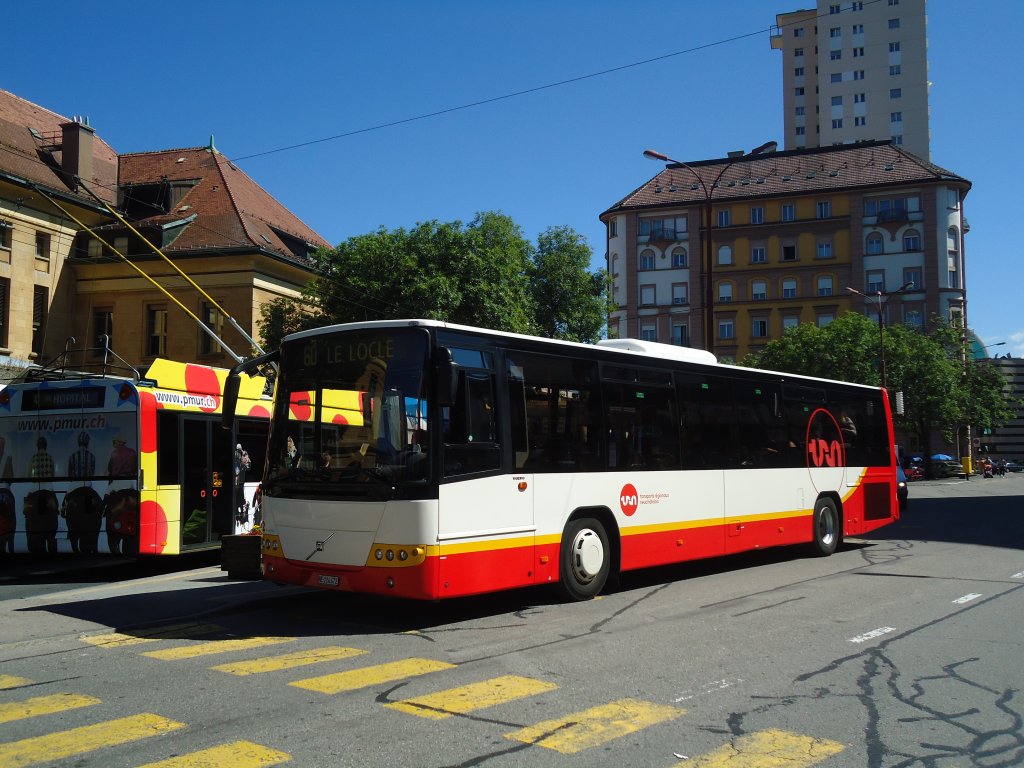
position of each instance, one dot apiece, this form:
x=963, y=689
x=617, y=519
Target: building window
x=824, y=209
x=858, y=29
x=798, y=32
x=825, y=318
x=788, y=212
x=662, y=228
x=798, y=72
x=913, y=275
x=911, y=240
x=895, y=93
x=858, y=52
x=800, y=130
x=798, y=51
x=613, y=228
x=953, y=282
x=824, y=249
x=858, y=74
x=724, y=218
x=838, y=123
x=5, y=302
x=897, y=139
x=725, y=293
x=860, y=121
x=42, y=245
x=953, y=241
x=875, y=281
x=789, y=253
x=759, y=328
x=102, y=325
x=798, y=91
x=825, y=286
x=5, y=234
x=835, y=32
x=837, y=101
x=895, y=69
x=798, y=111
x=647, y=259
x=95, y=248
x=679, y=293
x=895, y=117
x=40, y=309
x=759, y=290
x=859, y=98
x=726, y=329
x=790, y=322
x=725, y=255
x=647, y=295
x=874, y=245
x=680, y=335
x=156, y=331
x=758, y=255
x=953, y=199
x=835, y=55
x=894, y=47
x=757, y=215
x=913, y=318
x=214, y=320
x=833, y=9
x=649, y=332
x=679, y=257
x=894, y=2
x=837, y=77
x=789, y=288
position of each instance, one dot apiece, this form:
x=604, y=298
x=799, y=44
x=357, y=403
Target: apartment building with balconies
x=855, y=71
x=789, y=233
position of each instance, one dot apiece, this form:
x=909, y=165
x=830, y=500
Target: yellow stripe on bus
x=214, y=647
x=10, y=681
x=238, y=754
x=469, y=698
x=768, y=749
x=355, y=679
x=595, y=726
x=77, y=741
x=288, y=660
x=151, y=635
x=44, y=705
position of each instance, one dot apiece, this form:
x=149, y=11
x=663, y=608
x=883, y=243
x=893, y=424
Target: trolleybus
x=428, y=460
x=96, y=462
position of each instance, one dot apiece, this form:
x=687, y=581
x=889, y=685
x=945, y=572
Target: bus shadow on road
x=980, y=521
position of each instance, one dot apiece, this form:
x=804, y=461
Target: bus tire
x=585, y=559
x=827, y=530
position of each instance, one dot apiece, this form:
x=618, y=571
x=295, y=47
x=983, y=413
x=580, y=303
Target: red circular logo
x=628, y=499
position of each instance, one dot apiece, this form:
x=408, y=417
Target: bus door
x=207, y=481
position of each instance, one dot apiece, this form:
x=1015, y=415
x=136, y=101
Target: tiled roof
x=230, y=209
x=794, y=172
x=24, y=154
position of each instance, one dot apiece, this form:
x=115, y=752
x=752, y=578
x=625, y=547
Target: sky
x=325, y=104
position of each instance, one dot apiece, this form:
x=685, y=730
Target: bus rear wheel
x=826, y=528
x=585, y=559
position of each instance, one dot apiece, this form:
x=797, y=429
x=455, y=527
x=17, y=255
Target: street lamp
x=709, y=289
x=878, y=298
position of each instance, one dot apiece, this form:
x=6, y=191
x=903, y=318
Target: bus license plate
x=326, y=581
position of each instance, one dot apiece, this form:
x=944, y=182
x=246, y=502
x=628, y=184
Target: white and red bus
x=427, y=460
x=96, y=463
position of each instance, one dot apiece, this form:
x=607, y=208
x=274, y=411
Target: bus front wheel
x=826, y=528
x=585, y=559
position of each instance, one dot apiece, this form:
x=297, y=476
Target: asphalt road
x=902, y=649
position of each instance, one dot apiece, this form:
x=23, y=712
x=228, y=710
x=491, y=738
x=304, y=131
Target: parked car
x=914, y=473
x=942, y=469
x=1013, y=466
x=901, y=487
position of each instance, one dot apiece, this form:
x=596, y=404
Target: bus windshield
x=350, y=414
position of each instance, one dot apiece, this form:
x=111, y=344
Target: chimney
x=76, y=154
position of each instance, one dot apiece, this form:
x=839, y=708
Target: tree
x=484, y=273
x=571, y=302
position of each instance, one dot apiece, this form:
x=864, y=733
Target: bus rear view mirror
x=231, y=386
x=447, y=377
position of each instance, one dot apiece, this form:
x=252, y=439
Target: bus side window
x=470, y=428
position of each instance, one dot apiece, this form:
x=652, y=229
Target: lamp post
x=709, y=290
x=881, y=298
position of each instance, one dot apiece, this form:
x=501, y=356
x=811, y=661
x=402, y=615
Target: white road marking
x=967, y=598
x=872, y=634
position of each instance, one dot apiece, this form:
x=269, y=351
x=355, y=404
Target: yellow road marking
x=361, y=678
x=44, y=705
x=10, y=681
x=288, y=660
x=768, y=749
x=238, y=754
x=214, y=647
x=151, y=635
x=597, y=725
x=470, y=698
x=76, y=741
